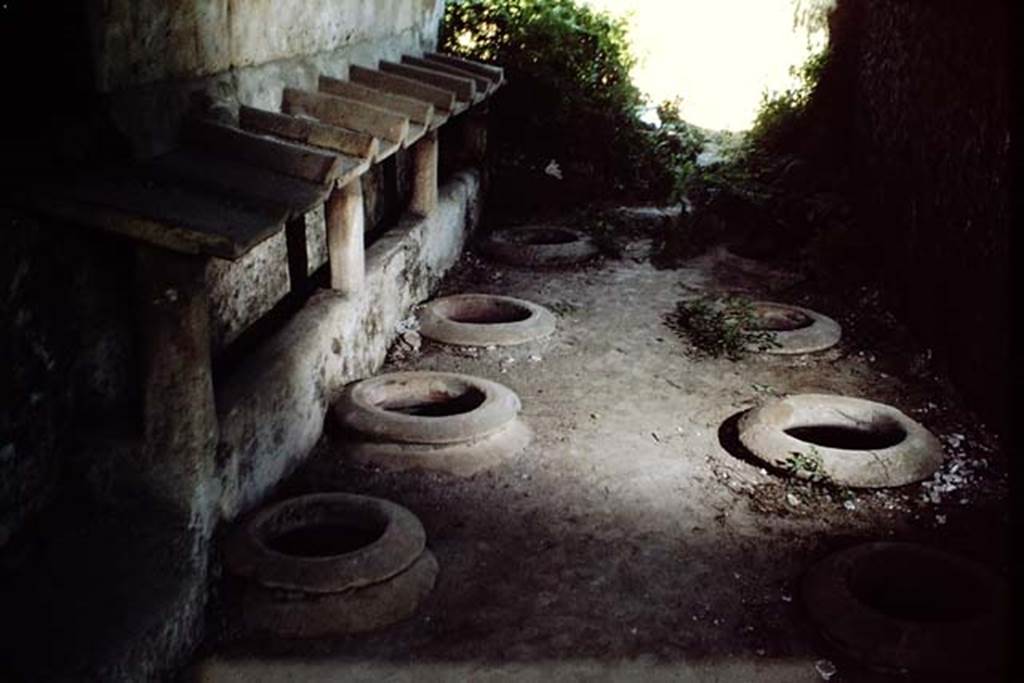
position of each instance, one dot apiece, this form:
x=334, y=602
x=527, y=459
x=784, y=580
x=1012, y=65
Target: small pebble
x=825, y=668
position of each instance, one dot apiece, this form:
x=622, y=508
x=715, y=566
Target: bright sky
x=718, y=55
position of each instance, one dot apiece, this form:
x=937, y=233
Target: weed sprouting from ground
x=720, y=326
x=805, y=466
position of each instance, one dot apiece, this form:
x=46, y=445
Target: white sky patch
x=718, y=55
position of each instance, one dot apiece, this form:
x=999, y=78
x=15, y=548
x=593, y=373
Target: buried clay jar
x=849, y=441
x=431, y=420
x=903, y=606
x=330, y=564
x=794, y=329
x=539, y=246
x=484, y=320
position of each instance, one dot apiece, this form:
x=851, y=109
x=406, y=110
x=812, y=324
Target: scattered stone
x=410, y=324
x=412, y=340
x=792, y=499
x=850, y=505
x=825, y=668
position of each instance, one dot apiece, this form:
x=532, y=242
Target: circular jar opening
x=860, y=437
x=428, y=401
x=915, y=587
x=485, y=312
x=323, y=540
x=542, y=236
x=321, y=531
x=770, y=318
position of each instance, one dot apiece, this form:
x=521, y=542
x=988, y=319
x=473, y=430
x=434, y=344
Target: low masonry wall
x=272, y=410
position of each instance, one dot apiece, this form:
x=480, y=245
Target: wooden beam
x=309, y=131
x=341, y=111
x=418, y=111
x=285, y=157
x=495, y=73
x=464, y=88
x=443, y=100
x=483, y=84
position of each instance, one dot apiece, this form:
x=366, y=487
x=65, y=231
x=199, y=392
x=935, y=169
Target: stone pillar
x=346, y=221
x=474, y=135
x=179, y=414
x=424, y=179
x=174, y=471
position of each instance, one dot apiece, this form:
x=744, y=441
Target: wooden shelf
x=162, y=213
x=390, y=128
x=309, y=131
x=203, y=170
x=495, y=73
x=443, y=100
x=464, y=88
x=484, y=86
x=229, y=188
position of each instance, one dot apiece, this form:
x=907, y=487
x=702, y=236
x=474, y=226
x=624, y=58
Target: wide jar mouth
x=914, y=586
x=482, y=311
x=543, y=236
x=426, y=398
x=775, y=318
x=320, y=529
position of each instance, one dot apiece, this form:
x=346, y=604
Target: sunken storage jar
x=329, y=564
x=441, y=421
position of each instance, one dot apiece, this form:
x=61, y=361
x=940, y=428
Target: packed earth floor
x=633, y=539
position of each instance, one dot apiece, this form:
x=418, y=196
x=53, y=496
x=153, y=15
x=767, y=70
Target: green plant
x=720, y=326
x=569, y=97
x=805, y=466
x=779, y=116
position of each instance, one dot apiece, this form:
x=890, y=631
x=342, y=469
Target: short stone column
x=424, y=178
x=346, y=223
x=179, y=413
x=474, y=135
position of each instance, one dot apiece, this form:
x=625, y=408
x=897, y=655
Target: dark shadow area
x=874, y=437
x=729, y=440
x=534, y=588
x=435, y=404
x=89, y=582
x=323, y=540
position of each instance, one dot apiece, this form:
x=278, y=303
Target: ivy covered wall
x=928, y=140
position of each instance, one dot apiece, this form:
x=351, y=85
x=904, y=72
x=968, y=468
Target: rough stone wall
x=155, y=58
x=144, y=41
x=70, y=358
x=930, y=147
x=61, y=374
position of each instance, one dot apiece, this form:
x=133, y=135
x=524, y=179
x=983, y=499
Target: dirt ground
x=632, y=540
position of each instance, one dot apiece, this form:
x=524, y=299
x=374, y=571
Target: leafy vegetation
x=570, y=99
x=805, y=466
x=780, y=115
x=720, y=326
